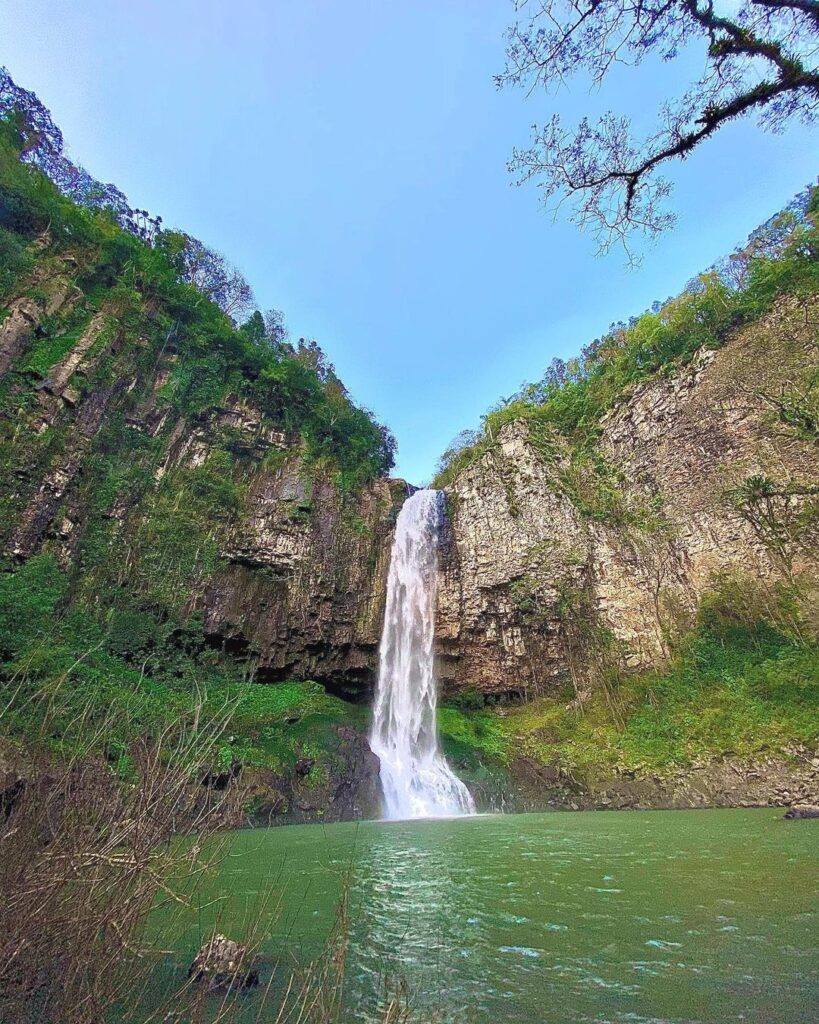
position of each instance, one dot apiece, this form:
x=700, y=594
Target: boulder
x=222, y=964
x=802, y=812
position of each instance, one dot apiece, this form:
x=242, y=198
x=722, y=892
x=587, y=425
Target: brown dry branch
x=86, y=856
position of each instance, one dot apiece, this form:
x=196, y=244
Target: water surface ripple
x=673, y=917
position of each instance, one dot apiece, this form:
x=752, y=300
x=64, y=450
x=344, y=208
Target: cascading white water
x=417, y=781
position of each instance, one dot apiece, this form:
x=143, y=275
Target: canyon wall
x=188, y=502
x=540, y=547
x=552, y=553
x=214, y=513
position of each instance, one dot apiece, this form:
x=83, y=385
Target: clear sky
x=350, y=158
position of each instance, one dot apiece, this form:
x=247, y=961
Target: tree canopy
x=42, y=146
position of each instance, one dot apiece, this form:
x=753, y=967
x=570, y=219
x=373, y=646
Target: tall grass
x=85, y=856
x=744, y=683
x=88, y=852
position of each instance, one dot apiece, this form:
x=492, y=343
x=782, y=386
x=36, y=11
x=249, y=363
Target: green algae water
x=672, y=917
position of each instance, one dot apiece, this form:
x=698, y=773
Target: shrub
x=15, y=261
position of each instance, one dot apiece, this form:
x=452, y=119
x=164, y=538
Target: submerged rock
x=222, y=963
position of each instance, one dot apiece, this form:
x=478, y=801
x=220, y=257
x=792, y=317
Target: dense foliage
x=108, y=684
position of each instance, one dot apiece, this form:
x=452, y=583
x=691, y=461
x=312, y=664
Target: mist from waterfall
x=416, y=780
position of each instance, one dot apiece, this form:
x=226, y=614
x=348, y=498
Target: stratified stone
x=527, y=575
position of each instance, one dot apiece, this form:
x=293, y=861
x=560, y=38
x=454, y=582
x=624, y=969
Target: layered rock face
x=302, y=583
x=547, y=552
x=298, y=575
x=555, y=558
x=543, y=550
x=286, y=569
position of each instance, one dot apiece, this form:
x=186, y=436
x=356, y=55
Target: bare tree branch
x=761, y=60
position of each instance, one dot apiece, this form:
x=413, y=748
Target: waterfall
x=417, y=781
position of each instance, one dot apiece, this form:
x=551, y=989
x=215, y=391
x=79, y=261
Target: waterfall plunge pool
x=676, y=917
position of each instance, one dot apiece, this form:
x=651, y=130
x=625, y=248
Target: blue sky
x=350, y=158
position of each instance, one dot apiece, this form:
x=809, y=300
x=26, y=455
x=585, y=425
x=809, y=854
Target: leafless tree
x=209, y=272
x=761, y=61
x=275, y=328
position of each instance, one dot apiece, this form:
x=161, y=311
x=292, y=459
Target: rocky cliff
x=556, y=562
x=214, y=512
x=201, y=546
x=189, y=505
x=549, y=553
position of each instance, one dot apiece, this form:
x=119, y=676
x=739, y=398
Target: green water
x=688, y=916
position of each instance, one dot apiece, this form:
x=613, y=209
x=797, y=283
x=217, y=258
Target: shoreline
x=773, y=782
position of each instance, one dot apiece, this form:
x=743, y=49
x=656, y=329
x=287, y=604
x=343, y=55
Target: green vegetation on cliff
x=137, y=415
x=740, y=681
x=744, y=683
x=123, y=345
x=83, y=688
x=115, y=356
x=780, y=258
x=145, y=286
